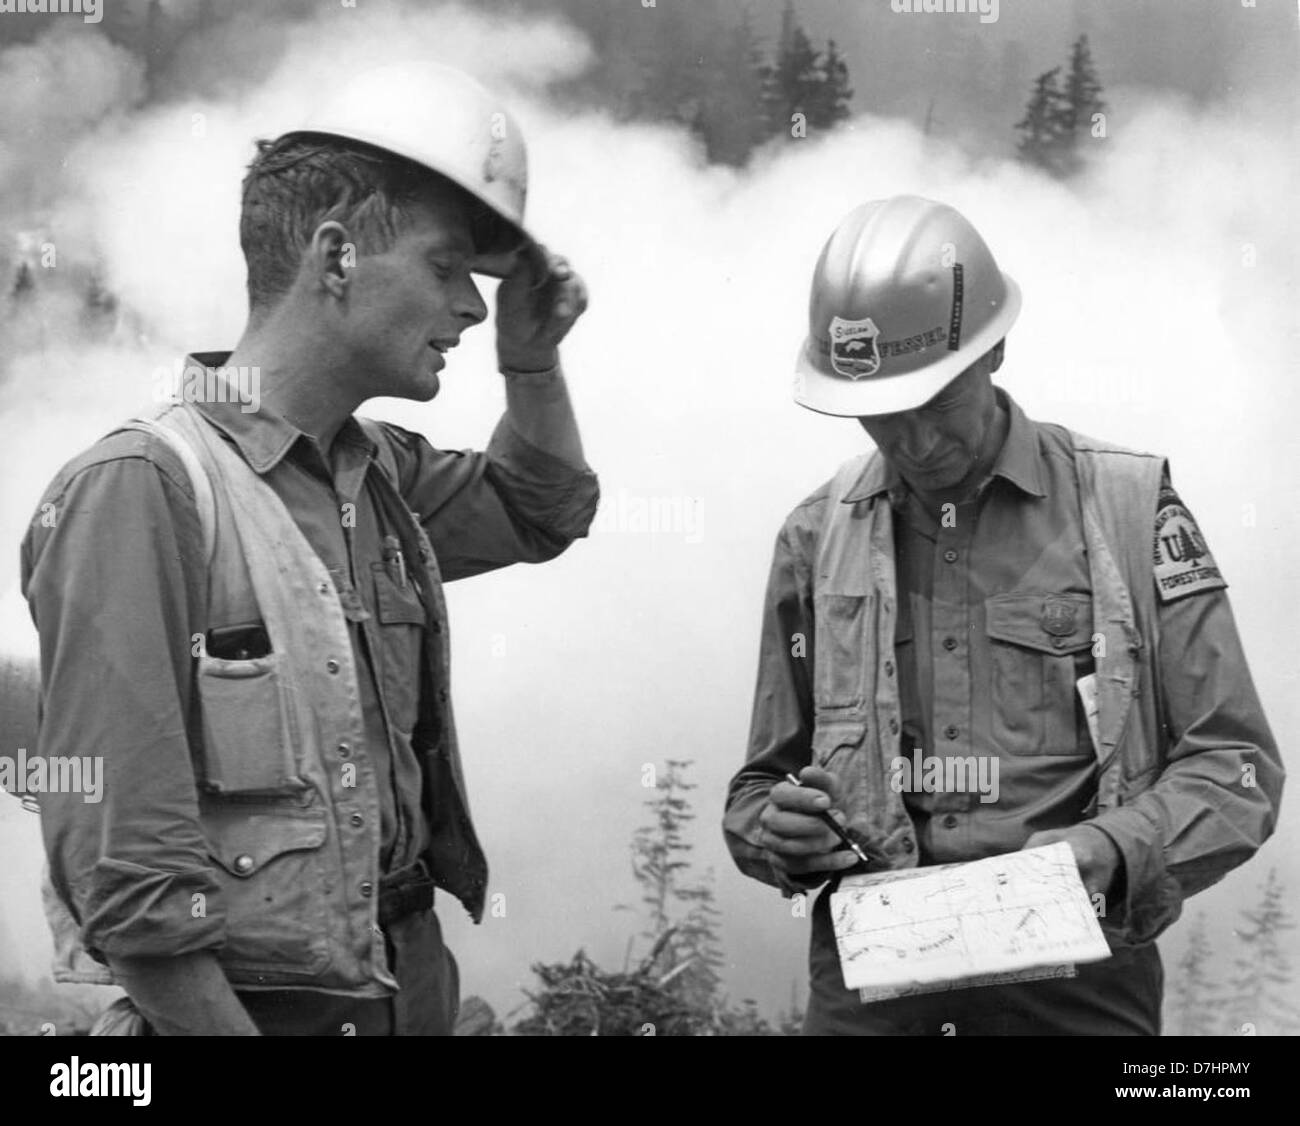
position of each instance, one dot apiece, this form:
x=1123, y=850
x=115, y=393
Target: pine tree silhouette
x=1043, y=142
x=1262, y=973
x=1059, y=117
x=1192, y=995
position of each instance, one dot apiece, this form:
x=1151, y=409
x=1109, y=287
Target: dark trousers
x=1117, y=997
x=426, y=1006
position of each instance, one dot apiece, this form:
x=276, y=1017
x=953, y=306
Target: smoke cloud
x=1159, y=313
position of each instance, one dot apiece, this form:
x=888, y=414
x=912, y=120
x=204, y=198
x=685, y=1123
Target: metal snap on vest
x=243, y=864
x=357, y=820
x=367, y=889
x=345, y=749
x=332, y=665
x=950, y=556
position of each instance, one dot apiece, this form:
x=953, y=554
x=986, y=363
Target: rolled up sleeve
x=104, y=568
x=512, y=503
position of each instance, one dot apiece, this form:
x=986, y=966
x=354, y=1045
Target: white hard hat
x=441, y=118
x=905, y=297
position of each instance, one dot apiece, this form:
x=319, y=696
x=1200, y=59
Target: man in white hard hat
x=240, y=600
x=963, y=597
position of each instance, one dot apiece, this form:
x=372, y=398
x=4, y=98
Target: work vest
x=287, y=804
x=855, y=684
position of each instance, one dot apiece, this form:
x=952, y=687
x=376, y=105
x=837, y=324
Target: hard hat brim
x=847, y=398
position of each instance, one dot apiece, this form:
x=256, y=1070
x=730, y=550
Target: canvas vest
x=288, y=807
x=855, y=684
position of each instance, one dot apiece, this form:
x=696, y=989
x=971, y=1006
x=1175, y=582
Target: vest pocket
x=840, y=649
x=246, y=743
x=1039, y=646
x=272, y=889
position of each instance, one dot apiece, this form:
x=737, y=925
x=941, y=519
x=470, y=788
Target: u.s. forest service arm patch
x=1183, y=563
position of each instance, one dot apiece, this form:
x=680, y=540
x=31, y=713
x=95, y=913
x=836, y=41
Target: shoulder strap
x=848, y=475
x=198, y=477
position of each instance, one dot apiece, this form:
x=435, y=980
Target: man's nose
x=918, y=441
x=470, y=304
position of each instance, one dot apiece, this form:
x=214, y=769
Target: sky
x=1159, y=297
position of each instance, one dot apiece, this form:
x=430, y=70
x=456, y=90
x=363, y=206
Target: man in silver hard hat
x=987, y=591
x=240, y=602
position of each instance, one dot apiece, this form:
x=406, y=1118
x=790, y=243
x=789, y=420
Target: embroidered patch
x=853, y=347
x=1183, y=563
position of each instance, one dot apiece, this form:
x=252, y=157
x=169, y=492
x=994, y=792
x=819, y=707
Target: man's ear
x=996, y=355
x=330, y=258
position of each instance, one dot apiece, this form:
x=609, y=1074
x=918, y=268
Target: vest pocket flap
x=829, y=739
x=243, y=841
x=1050, y=623
x=396, y=603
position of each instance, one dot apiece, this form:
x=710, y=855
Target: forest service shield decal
x=1183, y=564
x=853, y=347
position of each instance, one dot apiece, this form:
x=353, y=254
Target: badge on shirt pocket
x=1040, y=644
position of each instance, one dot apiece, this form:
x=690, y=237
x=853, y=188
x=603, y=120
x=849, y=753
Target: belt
x=405, y=892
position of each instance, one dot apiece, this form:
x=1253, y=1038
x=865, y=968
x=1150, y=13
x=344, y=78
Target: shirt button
x=950, y=643
x=357, y=820
x=893, y=727
x=950, y=821
x=951, y=731
x=908, y=845
x=1058, y=641
x=367, y=889
x=442, y=695
x=243, y=864
x=324, y=588
x=889, y=668
x=332, y=665
x=345, y=749
x=950, y=556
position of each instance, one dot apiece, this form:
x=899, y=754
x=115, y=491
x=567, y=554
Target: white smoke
x=1159, y=298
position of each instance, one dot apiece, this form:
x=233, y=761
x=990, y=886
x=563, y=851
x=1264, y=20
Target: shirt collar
x=1020, y=461
x=263, y=437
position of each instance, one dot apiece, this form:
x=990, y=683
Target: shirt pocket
x=247, y=741
x=842, y=622
x=1039, y=646
x=401, y=618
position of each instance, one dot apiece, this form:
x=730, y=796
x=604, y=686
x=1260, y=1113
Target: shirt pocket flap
x=243, y=840
x=1049, y=623
x=395, y=603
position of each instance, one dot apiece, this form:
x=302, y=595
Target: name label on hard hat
x=853, y=347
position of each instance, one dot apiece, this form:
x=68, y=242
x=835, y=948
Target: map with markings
x=1017, y=917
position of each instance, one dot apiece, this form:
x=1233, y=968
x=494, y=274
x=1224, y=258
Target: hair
x=301, y=180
